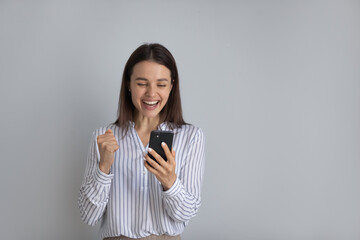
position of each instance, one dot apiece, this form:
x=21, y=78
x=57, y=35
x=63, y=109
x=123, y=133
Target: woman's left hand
x=163, y=170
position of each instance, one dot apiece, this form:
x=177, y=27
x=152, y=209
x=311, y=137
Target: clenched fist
x=107, y=147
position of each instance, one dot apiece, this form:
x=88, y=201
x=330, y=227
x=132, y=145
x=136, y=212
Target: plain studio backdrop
x=275, y=85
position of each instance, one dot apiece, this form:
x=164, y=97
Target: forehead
x=150, y=70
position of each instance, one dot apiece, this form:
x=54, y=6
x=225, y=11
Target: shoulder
x=191, y=132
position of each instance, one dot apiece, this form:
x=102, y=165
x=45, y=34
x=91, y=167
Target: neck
x=145, y=124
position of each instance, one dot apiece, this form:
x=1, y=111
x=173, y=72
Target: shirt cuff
x=103, y=178
x=174, y=190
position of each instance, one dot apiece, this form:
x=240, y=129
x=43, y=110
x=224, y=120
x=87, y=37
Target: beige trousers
x=151, y=237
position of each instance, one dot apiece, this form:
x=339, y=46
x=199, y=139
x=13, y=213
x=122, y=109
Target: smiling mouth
x=151, y=103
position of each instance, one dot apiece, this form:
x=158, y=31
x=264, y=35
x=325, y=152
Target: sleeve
x=182, y=200
x=95, y=188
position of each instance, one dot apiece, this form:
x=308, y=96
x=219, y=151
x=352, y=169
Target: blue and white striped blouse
x=130, y=200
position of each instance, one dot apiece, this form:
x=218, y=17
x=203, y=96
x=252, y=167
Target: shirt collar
x=163, y=126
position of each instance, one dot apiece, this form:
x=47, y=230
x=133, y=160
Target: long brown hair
x=172, y=111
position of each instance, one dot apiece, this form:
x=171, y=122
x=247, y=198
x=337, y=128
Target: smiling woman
x=136, y=196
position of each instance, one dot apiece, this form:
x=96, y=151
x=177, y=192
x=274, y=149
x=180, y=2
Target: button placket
x=144, y=172
x=141, y=153
x=142, y=156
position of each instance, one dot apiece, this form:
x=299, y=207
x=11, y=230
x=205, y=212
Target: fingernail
x=162, y=143
x=150, y=149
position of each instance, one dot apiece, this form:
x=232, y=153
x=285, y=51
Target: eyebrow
x=145, y=79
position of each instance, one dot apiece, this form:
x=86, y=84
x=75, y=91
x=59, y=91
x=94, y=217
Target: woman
x=133, y=199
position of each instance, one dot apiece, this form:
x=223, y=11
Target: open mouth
x=150, y=105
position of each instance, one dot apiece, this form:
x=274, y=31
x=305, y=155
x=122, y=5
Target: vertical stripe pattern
x=130, y=200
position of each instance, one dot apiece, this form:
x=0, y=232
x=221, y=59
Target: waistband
x=151, y=237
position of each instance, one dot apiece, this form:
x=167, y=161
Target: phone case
x=156, y=138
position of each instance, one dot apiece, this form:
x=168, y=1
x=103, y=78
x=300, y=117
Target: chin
x=150, y=114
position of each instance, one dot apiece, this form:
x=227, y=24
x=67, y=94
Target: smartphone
x=156, y=138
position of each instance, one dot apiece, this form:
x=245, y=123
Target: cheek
x=135, y=98
x=165, y=96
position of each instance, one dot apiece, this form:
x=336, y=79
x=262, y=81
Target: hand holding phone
x=163, y=169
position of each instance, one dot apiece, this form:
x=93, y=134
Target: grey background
x=275, y=85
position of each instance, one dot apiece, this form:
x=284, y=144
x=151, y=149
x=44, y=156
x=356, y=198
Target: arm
x=182, y=200
x=95, y=189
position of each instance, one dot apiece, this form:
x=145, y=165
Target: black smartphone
x=156, y=138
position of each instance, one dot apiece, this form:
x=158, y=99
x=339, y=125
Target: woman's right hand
x=107, y=147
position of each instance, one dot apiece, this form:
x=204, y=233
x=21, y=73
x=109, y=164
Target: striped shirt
x=130, y=200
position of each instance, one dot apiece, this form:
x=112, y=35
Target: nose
x=151, y=91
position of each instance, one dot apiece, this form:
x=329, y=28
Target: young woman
x=133, y=199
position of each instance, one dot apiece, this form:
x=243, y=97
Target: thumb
x=108, y=131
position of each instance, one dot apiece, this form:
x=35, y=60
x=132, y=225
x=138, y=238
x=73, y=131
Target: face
x=150, y=86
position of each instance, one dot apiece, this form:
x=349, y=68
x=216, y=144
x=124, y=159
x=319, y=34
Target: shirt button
x=144, y=172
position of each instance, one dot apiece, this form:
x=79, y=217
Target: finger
x=166, y=150
x=173, y=155
x=108, y=135
x=116, y=147
x=158, y=158
x=169, y=156
x=155, y=167
x=111, y=147
x=173, y=152
x=150, y=168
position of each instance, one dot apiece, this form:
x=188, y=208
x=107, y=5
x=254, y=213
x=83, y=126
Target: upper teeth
x=150, y=102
